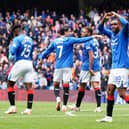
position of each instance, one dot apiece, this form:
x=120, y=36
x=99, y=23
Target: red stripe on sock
x=66, y=85
x=30, y=91
x=81, y=89
x=11, y=89
x=56, y=85
x=110, y=97
x=126, y=98
x=97, y=89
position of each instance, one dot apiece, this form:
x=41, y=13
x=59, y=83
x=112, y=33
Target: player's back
x=22, y=47
x=92, y=45
x=96, y=63
x=64, y=52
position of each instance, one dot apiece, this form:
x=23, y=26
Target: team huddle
x=21, y=51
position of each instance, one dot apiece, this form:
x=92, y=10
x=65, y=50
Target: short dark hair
x=12, y=30
x=14, y=27
x=63, y=30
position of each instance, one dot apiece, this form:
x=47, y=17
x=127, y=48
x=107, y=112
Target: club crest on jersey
x=114, y=41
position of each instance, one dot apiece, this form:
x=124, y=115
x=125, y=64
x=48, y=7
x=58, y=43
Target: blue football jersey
x=63, y=47
x=22, y=48
x=92, y=45
x=119, y=45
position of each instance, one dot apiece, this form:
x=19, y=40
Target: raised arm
x=80, y=40
x=123, y=21
x=101, y=27
x=47, y=51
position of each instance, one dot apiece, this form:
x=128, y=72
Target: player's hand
x=100, y=37
x=114, y=14
x=107, y=16
x=92, y=72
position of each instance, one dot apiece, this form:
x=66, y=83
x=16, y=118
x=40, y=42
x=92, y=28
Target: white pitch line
x=70, y=113
x=55, y=116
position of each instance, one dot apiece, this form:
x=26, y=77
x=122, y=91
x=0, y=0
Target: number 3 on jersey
x=96, y=52
x=60, y=51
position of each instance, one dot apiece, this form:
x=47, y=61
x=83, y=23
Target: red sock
x=11, y=89
x=81, y=89
x=126, y=98
x=97, y=89
x=110, y=97
x=30, y=91
x=66, y=85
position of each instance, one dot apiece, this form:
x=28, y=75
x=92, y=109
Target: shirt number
x=60, y=51
x=26, y=51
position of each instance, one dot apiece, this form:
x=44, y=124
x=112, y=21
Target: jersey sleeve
x=80, y=40
x=104, y=30
x=14, y=47
x=125, y=25
x=47, y=51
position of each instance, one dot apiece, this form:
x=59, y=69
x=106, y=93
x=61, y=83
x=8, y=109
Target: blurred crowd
x=43, y=27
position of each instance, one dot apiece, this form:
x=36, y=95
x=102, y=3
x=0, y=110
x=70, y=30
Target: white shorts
x=64, y=74
x=85, y=77
x=119, y=77
x=24, y=69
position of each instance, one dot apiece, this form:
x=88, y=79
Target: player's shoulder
x=19, y=37
x=70, y=37
x=26, y=36
x=88, y=43
x=15, y=39
x=95, y=42
x=61, y=39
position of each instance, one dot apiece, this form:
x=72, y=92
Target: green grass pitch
x=45, y=116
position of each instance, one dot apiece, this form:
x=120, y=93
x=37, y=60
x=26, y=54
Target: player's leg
x=84, y=78
x=110, y=99
x=123, y=94
x=110, y=103
x=65, y=95
x=12, y=77
x=67, y=76
x=113, y=82
x=57, y=79
x=123, y=84
x=28, y=80
x=80, y=96
x=81, y=93
x=95, y=82
x=97, y=90
x=57, y=94
x=11, y=97
x=30, y=96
